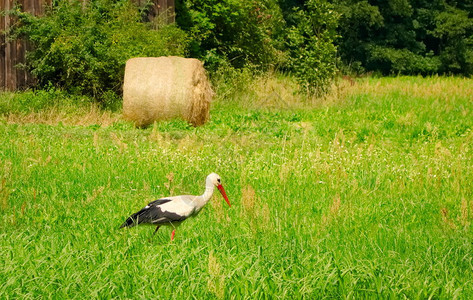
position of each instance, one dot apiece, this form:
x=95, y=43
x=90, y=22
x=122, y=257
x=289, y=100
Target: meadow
x=365, y=193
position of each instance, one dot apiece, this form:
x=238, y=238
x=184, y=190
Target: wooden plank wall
x=166, y=8
x=163, y=9
x=12, y=53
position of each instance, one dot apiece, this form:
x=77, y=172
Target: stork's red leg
x=157, y=227
x=172, y=234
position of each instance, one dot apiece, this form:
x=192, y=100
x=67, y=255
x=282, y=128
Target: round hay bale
x=164, y=88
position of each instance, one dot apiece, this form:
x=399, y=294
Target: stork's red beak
x=222, y=191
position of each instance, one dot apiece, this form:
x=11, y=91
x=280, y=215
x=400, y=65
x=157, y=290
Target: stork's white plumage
x=173, y=210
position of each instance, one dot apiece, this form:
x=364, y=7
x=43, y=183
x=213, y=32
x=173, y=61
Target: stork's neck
x=205, y=197
x=209, y=191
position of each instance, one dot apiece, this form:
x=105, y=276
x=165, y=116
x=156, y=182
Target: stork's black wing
x=153, y=214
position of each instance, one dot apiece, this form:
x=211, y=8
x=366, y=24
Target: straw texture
x=164, y=88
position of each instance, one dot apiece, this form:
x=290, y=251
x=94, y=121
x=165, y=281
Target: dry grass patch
x=274, y=91
x=333, y=211
x=256, y=211
x=216, y=281
x=433, y=87
x=83, y=116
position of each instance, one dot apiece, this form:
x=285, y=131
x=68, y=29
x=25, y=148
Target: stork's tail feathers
x=130, y=222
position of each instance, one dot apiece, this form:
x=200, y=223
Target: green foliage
x=408, y=37
x=242, y=33
x=83, y=47
x=259, y=34
x=401, y=61
x=312, y=52
x=454, y=29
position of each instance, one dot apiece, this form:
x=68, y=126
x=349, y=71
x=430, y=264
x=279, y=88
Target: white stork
x=173, y=210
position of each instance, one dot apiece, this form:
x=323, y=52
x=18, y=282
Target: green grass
x=366, y=194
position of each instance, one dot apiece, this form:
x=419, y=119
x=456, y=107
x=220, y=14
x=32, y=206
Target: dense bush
x=264, y=34
x=83, y=47
x=242, y=33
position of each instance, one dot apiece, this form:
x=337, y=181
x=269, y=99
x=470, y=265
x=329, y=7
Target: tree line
x=406, y=36
x=386, y=36
x=83, y=47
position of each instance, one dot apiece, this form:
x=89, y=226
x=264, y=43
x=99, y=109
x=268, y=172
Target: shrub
x=311, y=45
x=240, y=33
x=83, y=48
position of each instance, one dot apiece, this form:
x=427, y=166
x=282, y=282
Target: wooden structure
x=12, y=53
x=162, y=9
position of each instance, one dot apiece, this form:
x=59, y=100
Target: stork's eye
x=218, y=179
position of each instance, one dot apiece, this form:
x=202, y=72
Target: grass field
x=367, y=193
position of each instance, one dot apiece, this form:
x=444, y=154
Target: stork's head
x=217, y=181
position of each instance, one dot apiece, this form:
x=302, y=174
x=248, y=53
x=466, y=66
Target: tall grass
x=364, y=194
